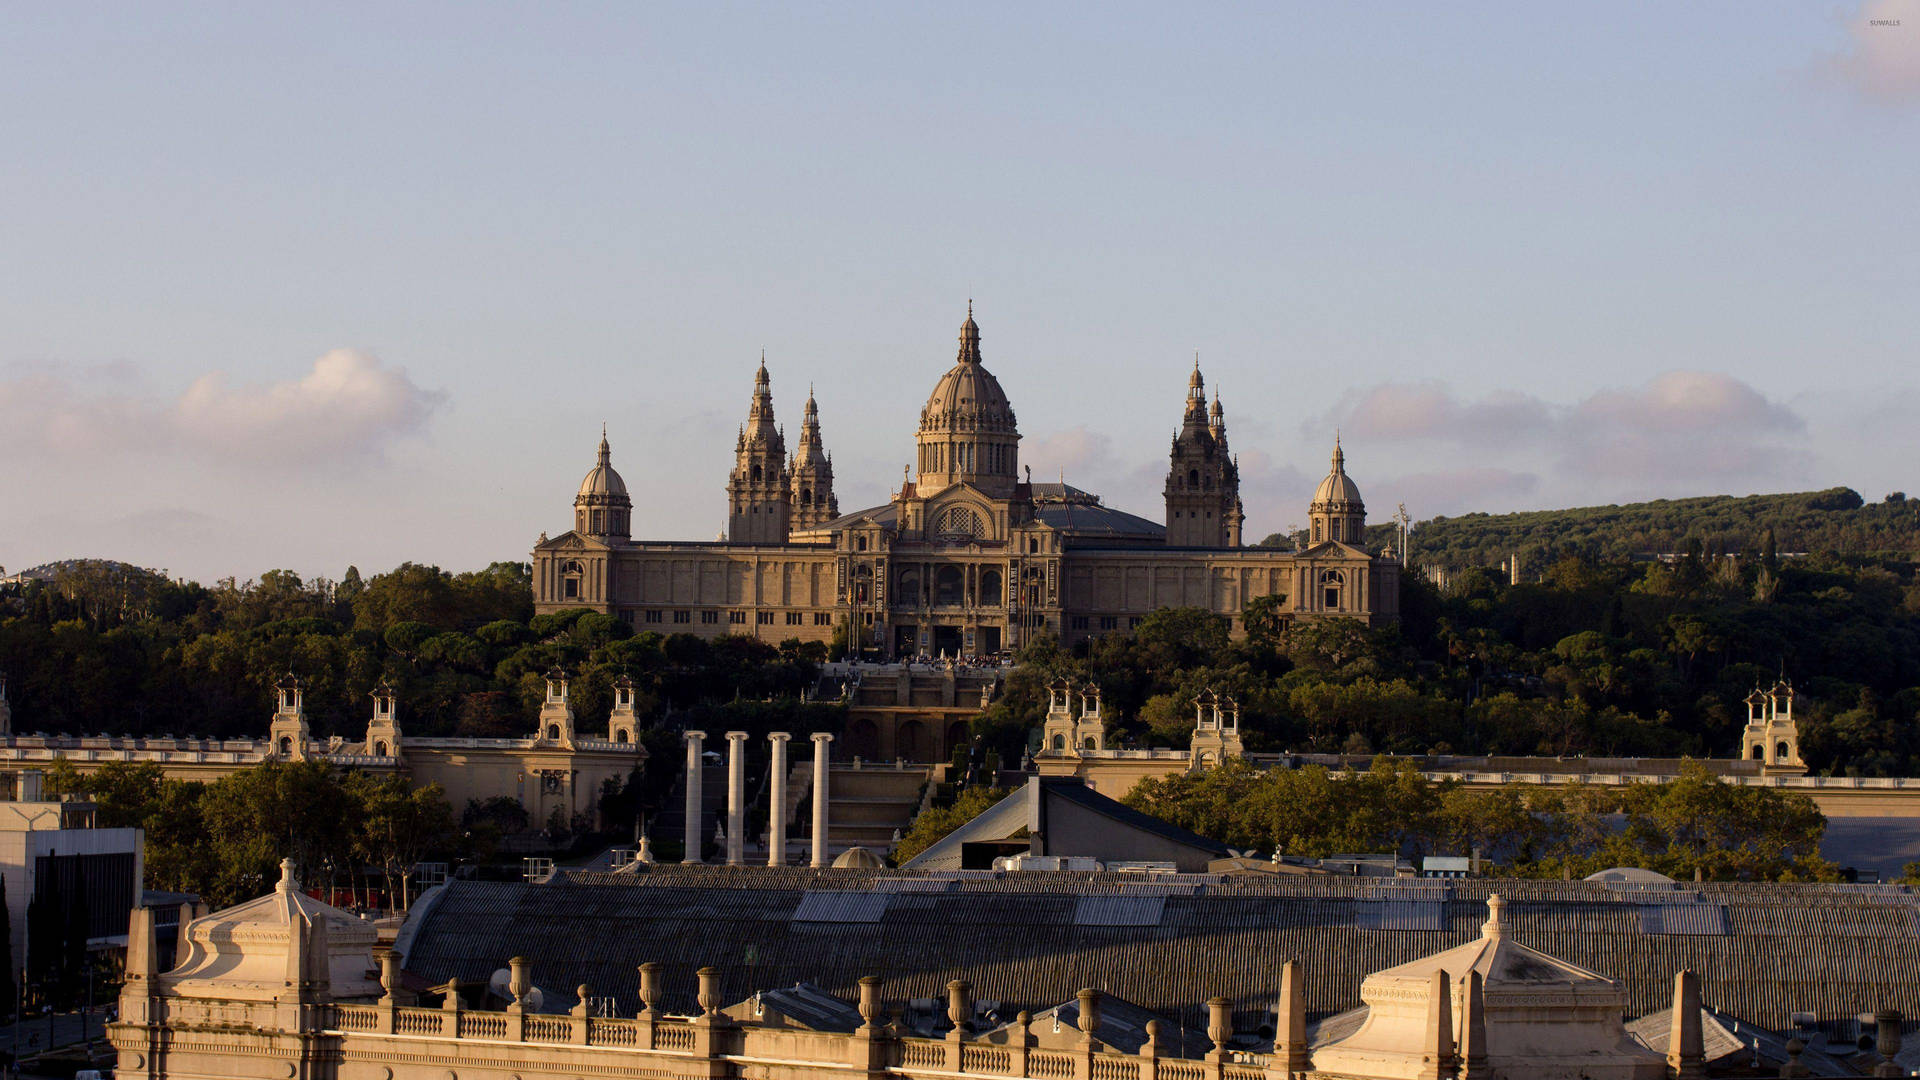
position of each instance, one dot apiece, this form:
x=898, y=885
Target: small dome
x=858, y=858
x=602, y=482
x=1338, y=487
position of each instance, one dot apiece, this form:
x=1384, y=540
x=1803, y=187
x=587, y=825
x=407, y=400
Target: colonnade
x=777, y=797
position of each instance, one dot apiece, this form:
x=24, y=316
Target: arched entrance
x=863, y=739
x=910, y=742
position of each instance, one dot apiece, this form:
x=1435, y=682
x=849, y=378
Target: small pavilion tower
x=289, y=732
x=1203, y=483
x=623, y=723
x=1772, y=738
x=602, y=510
x=1216, y=730
x=758, y=494
x=1067, y=731
x=811, y=495
x=556, y=713
x=1337, y=512
x=383, y=731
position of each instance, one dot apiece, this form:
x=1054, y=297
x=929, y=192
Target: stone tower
x=1203, y=483
x=757, y=492
x=602, y=509
x=811, y=492
x=967, y=431
x=1337, y=512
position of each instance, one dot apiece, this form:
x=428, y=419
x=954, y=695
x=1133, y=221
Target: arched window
x=908, y=591
x=1759, y=752
x=754, y=473
x=380, y=749
x=1193, y=478
x=1333, y=530
x=948, y=585
x=806, y=496
x=990, y=588
x=1316, y=532
x=1331, y=582
x=620, y=736
x=1088, y=745
x=1780, y=752
x=1060, y=743
x=553, y=732
x=860, y=543
x=286, y=744
x=958, y=521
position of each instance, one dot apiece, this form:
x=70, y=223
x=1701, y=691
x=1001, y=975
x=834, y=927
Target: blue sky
x=303, y=288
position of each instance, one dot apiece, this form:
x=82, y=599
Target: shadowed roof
x=1828, y=949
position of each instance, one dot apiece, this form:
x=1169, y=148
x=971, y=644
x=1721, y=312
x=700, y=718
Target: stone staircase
x=869, y=802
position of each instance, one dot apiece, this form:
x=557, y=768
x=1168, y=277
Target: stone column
x=777, y=802
x=821, y=741
x=736, y=797
x=695, y=744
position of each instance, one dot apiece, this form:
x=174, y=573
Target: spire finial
x=288, y=882
x=1495, y=927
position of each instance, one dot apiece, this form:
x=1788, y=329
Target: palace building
x=970, y=556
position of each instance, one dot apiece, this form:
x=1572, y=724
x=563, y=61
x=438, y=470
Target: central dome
x=967, y=397
x=967, y=431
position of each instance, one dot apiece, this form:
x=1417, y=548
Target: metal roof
x=1833, y=950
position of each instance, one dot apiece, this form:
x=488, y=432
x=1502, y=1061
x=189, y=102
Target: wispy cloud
x=1683, y=429
x=347, y=406
x=1882, y=59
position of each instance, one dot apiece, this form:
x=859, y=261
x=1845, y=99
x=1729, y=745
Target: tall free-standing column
x=736, y=797
x=820, y=754
x=777, y=801
x=695, y=742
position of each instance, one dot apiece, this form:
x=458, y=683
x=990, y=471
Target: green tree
x=933, y=824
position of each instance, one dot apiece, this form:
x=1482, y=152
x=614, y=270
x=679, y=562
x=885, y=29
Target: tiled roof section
x=1836, y=951
x=1081, y=521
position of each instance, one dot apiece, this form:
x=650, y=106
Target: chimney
x=1436, y=1059
x=1473, y=1030
x=1686, y=1053
x=1290, y=1028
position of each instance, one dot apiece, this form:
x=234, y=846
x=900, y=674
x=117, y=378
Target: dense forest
x=1836, y=520
x=1606, y=658
x=105, y=647
x=1591, y=655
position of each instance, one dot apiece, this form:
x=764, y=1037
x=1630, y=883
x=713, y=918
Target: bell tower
x=811, y=496
x=1203, y=482
x=758, y=500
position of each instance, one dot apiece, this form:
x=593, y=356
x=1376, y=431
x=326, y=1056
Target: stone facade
x=969, y=556
x=557, y=770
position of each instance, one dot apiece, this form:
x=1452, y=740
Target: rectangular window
x=683, y=616
x=1133, y=623
x=1079, y=622
x=821, y=618
x=571, y=590
x=1109, y=622
x=653, y=616
x=736, y=616
x=763, y=618
x=709, y=616
x=626, y=617
x=795, y=618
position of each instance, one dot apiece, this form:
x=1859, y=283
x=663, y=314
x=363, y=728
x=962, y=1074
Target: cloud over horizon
x=347, y=406
x=1679, y=431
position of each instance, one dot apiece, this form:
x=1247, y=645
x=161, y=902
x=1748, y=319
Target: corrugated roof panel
x=1683, y=919
x=1119, y=910
x=841, y=907
x=1400, y=915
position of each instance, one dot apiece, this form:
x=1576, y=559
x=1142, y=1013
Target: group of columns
x=776, y=802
